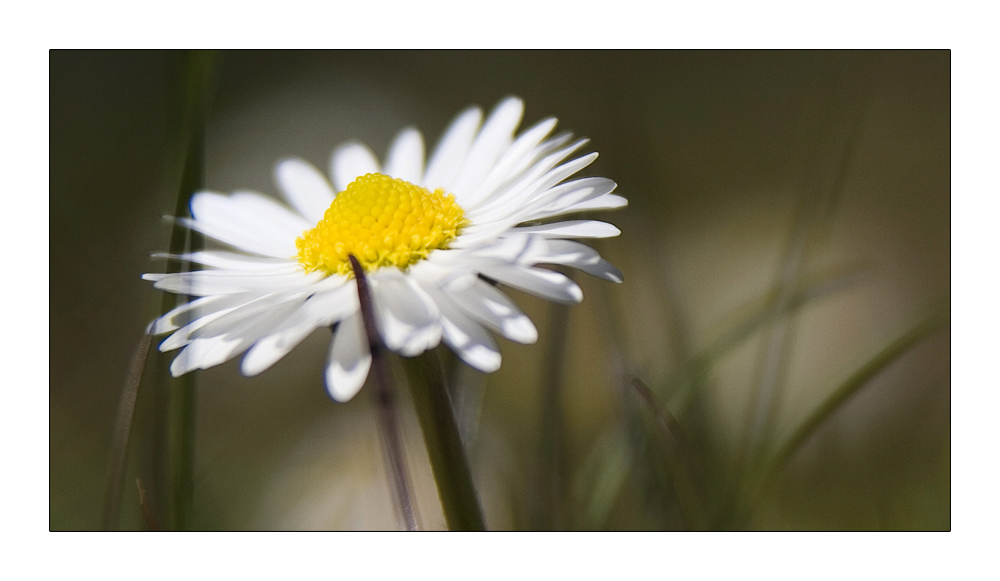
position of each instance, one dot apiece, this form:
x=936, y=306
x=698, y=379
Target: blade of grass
x=850, y=387
x=549, y=512
x=601, y=477
x=813, y=217
x=680, y=459
x=120, y=441
x=682, y=385
x=173, y=446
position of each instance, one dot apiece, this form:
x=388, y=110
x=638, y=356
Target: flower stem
x=385, y=399
x=176, y=399
x=123, y=429
x=444, y=444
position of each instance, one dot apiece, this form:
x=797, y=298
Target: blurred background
x=778, y=357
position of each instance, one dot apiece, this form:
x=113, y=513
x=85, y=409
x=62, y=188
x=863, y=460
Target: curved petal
x=540, y=282
x=233, y=221
x=211, y=282
x=562, y=197
x=406, y=156
x=510, y=165
x=571, y=229
x=192, y=311
x=228, y=260
x=495, y=137
x=489, y=306
x=408, y=318
x=212, y=345
x=350, y=161
x=531, y=184
x=605, y=202
x=447, y=159
x=320, y=310
x=305, y=187
x=579, y=256
x=350, y=359
x=468, y=339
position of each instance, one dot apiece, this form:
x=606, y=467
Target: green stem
x=680, y=459
x=177, y=397
x=385, y=400
x=444, y=445
x=123, y=429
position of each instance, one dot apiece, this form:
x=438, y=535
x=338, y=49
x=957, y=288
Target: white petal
x=187, y=313
x=351, y=161
x=489, y=306
x=605, y=202
x=566, y=252
x=350, y=359
x=331, y=306
x=406, y=157
x=248, y=315
x=572, y=229
x=212, y=349
x=204, y=353
x=326, y=306
x=248, y=213
x=440, y=270
x=322, y=309
x=540, y=282
x=533, y=183
x=564, y=196
x=602, y=269
x=230, y=260
x=447, y=159
x=305, y=187
x=182, y=336
x=495, y=137
x=239, y=224
x=210, y=282
x=270, y=349
x=407, y=316
x=467, y=338
x=512, y=249
x=507, y=167
x=581, y=257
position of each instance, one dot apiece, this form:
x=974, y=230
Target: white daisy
x=430, y=238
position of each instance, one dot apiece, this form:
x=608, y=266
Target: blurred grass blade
x=549, y=511
x=175, y=398
x=599, y=481
x=680, y=458
x=123, y=429
x=683, y=383
x=851, y=386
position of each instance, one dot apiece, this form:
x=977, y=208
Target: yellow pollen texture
x=382, y=221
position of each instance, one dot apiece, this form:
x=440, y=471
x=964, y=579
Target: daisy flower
x=433, y=239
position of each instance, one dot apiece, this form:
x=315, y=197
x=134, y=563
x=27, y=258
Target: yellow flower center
x=382, y=221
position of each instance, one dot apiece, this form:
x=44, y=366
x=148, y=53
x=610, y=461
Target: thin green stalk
x=385, y=399
x=851, y=386
x=123, y=428
x=549, y=512
x=680, y=387
x=444, y=444
x=680, y=458
x=176, y=398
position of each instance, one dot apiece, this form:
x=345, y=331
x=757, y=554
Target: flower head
x=430, y=239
